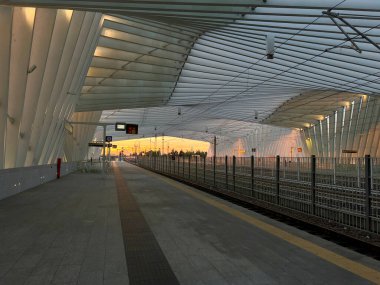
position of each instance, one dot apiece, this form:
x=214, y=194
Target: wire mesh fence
x=343, y=190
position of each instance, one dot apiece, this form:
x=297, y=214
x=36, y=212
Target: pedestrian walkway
x=210, y=241
x=133, y=226
x=63, y=232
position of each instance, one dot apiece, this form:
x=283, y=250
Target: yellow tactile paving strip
x=356, y=268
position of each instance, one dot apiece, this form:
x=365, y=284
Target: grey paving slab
x=64, y=232
x=145, y=261
x=205, y=245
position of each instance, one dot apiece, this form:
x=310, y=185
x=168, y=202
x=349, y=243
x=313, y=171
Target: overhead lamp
x=270, y=45
x=32, y=68
x=11, y=119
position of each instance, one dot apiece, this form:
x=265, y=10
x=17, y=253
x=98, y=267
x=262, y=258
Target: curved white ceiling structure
x=226, y=77
x=191, y=68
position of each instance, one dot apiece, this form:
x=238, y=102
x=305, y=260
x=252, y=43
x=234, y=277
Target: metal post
x=252, y=175
x=183, y=166
x=204, y=169
x=358, y=167
x=214, y=160
x=178, y=165
x=214, y=146
x=214, y=170
x=298, y=168
x=226, y=164
x=368, y=192
x=313, y=181
x=189, y=166
x=104, y=149
x=234, y=172
x=196, y=168
x=277, y=179
x=334, y=162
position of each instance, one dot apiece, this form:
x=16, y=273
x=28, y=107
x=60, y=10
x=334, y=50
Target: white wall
x=354, y=127
x=268, y=141
x=16, y=180
x=36, y=102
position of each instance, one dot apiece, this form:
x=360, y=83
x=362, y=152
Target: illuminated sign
x=120, y=127
x=132, y=129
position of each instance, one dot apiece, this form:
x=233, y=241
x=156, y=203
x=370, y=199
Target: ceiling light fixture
x=32, y=68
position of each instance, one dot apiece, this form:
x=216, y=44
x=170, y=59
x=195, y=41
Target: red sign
x=132, y=129
x=299, y=149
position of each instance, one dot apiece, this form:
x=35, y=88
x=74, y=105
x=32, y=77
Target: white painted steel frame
x=207, y=57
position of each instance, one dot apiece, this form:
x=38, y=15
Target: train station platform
x=137, y=227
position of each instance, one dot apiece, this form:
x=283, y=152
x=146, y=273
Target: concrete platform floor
x=63, y=232
x=68, y=232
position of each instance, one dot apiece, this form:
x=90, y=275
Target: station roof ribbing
x=199, y=68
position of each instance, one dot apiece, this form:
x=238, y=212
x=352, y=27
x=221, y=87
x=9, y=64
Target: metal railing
x=96, y=166
x=343, y=190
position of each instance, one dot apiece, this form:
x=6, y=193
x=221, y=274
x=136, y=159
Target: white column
x=23, y=24
x=79, y=65
x=55, y=104
x=5, y=50
x=60, y=31
x=43, y=28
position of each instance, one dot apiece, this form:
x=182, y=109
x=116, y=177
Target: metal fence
x=343, y=190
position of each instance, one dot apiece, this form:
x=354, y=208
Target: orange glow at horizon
x=155, y=144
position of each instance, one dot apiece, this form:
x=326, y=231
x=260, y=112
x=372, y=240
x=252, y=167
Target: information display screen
x=132, y=129
x=120, y=127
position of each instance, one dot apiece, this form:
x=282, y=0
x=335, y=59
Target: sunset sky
x=170, y=143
